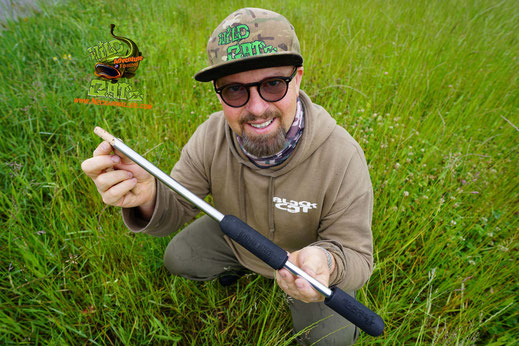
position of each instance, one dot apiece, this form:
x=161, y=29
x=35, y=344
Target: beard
x=267, y=144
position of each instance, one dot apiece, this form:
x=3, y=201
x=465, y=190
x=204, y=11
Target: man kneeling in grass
x=271, y=157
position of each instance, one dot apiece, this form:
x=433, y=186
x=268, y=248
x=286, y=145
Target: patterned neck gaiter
x=294, y=133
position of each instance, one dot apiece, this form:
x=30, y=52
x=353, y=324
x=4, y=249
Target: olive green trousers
x=199, y=252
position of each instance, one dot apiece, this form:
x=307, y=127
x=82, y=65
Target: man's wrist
x=146, y=210
x=329, y=258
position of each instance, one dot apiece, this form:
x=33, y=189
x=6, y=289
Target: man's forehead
x=255, y=75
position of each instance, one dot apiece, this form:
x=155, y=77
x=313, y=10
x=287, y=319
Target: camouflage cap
x=248, y=39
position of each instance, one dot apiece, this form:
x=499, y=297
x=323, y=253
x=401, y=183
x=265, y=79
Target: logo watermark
x=114, y=60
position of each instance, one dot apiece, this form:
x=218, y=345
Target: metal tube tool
x=259, y=245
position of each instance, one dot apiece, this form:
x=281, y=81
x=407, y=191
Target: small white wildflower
x=453, y=223
x=397, y=165
x=502, y=248
x=425, y=197
x=386, y=73
x=406, y=193
x=472, y=262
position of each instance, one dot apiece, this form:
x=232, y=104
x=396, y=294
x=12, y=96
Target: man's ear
x=298, y=78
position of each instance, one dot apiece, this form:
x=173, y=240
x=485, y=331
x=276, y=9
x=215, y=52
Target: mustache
x=268, y=114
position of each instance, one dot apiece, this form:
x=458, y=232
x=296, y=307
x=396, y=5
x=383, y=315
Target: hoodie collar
x=292, y=138
x=318, y=127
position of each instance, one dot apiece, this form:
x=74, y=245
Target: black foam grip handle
x=253, y=241
x=355, y=312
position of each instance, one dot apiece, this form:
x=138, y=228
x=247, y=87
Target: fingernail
x=105, y=146
x=130, y=174
x=116, y=159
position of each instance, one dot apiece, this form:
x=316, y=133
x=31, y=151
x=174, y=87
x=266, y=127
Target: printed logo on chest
x=293, y=206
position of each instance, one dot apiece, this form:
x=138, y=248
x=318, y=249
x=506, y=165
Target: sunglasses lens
x=235, y=95
x=273, y=89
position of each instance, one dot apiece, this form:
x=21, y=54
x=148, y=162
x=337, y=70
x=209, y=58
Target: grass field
x=428, y=88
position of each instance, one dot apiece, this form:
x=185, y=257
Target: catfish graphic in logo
x=114, y=66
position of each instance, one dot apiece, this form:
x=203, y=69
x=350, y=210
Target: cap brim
x=250, y=63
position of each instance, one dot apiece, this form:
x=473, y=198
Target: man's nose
x=256, y=104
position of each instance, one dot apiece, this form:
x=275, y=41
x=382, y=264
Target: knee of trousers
x=179, y=259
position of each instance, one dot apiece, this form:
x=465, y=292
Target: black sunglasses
x=270, y=89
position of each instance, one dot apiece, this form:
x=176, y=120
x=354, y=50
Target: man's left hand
x=314, y=262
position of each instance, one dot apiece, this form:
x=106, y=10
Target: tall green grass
x=429, y=89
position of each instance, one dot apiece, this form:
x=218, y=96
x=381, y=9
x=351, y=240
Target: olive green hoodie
x=321, y=195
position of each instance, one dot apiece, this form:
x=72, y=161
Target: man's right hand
x=120, y=181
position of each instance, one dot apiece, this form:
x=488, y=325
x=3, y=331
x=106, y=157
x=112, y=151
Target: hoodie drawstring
x=241, y=194
x=270, y=208
x=270, y=201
